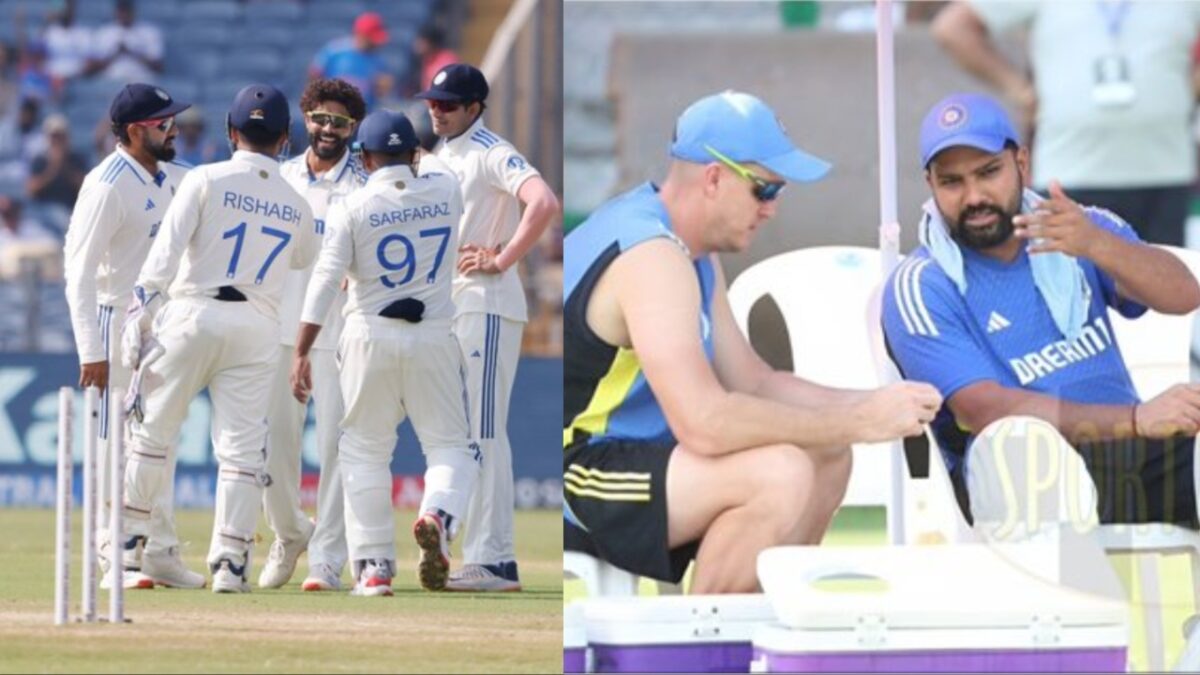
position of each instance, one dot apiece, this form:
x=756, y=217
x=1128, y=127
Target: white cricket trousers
x=161, y=534
x=285, y=422
x=389, y=370
x=491, y=347
x=229, y=347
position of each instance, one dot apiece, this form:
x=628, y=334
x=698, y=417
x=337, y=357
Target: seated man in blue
x=679, y=442
x=1004, y=308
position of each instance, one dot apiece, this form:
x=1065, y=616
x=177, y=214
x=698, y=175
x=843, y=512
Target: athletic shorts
x=1139, y=480
x=618, y=491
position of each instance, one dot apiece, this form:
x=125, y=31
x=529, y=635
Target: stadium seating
x=212, y=49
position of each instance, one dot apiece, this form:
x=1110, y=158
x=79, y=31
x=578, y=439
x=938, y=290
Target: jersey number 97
x=406, y=265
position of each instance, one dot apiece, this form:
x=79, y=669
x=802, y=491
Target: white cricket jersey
x=116, y=218
x=394, y=239
x=320, y=191
x=234, y=223
x=491, y=172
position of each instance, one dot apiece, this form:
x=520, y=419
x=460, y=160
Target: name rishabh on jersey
x=343, y=178
x=394, y=238
x=116, y=218
x=491, y=172
x=233, y=223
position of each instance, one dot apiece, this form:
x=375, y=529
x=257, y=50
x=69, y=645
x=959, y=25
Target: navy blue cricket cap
x=140, y=102
x=262, y=106
x=457, y=82
x=974, y=120
x=387, y=131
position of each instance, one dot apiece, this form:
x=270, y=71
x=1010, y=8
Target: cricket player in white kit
x=490, y=303
x=116, y=217
x=394, y=240
x=324, y=173
x=206, y=315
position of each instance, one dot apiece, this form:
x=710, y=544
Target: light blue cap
x=744, y=129
x=973, y=120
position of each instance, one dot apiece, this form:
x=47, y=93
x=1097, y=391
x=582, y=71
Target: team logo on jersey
x=162, y=94
x=516, y=163
x=154, y=229
x=441, y=77
x=952, y=116
x=394, y=139
x=149, y=204
x=257, y=114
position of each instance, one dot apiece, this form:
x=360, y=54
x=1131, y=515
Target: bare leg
x=738, y=505
x=829, y=489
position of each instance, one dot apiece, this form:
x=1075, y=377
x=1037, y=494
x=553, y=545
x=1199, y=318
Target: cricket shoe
x=374, y=578
x=131, y=555
x=322, y=577
x=475, y=578
x=434, y=565
x=167, y=569
x=281, y=561
x=228, y=577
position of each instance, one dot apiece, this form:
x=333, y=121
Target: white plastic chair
x=824, y=295
x=600, y=578
x=1157, y=351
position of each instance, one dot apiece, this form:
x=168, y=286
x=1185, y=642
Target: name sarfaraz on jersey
x=424, y=211
x=262, y=207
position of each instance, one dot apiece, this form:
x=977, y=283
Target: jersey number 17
x=239, y=233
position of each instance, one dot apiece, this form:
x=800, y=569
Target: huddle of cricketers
x=371, y=277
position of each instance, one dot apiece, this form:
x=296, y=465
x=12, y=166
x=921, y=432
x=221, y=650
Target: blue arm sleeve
x=929, y=334
x=1113, y=223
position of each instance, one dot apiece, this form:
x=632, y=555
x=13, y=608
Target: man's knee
x=783, y=480
x=1021, y=475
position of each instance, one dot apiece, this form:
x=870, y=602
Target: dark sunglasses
x=764, y=190
x=444, y=106
x=164, y=125
x=331, y=119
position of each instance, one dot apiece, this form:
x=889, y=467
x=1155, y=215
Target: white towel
x=1058, y=276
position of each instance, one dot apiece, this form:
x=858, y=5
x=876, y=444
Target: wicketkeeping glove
x=136, y=330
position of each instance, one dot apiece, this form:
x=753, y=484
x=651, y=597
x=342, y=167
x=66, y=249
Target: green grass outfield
x=866, y=526
x=285, y=630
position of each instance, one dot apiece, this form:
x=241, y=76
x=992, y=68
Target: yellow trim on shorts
x=610, y=475
x=608, y=497
x=607, y=486
x=610, y=393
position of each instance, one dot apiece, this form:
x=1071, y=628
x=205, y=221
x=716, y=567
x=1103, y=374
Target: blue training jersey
x=605, y=392
x=1002, y=330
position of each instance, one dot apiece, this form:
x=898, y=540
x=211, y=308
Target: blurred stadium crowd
x=62, y=61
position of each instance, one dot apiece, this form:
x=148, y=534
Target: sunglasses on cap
x=764, y=190
x=164, y=125
x=444, y=106
x=331, y=119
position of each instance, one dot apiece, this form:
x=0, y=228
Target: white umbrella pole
x=889, y=227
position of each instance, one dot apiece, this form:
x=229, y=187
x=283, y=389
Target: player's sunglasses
x=330, y=119
x=764, y=190
x=164, y=125
x=444, y=106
